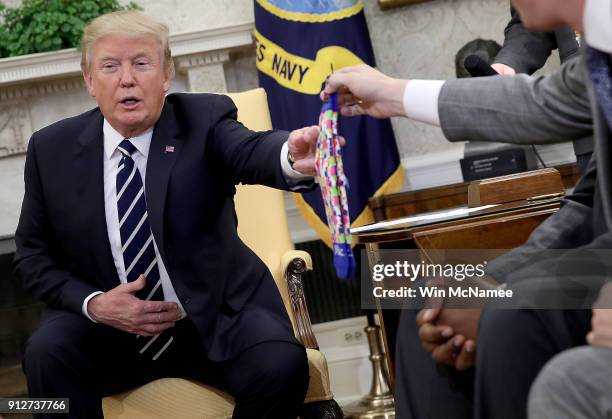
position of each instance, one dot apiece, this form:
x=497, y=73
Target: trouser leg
x=424, y=389
x=70, y=356
x=513, y=346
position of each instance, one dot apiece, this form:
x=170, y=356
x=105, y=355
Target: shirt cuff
x=86, y=301
x=293, y=177
x=421, y=100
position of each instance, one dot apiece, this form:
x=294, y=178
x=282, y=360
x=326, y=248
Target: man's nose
x=127, y=77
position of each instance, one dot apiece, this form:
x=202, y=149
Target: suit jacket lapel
x=89, y=179
x=165, y=147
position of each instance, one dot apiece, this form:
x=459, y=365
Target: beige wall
x=194, y=15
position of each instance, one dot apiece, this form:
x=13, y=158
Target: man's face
x=126, y=76
x=549, y=15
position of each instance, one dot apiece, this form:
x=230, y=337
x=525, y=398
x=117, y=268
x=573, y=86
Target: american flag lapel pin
x=169, y=149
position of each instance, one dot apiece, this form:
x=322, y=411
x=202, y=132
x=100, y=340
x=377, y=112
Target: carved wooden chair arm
x=294, y=264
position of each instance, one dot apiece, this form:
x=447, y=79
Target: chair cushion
x=180, y=398
x=169, y=398
x=318, y=387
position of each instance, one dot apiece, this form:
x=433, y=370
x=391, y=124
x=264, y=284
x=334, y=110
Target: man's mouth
x=130, y=101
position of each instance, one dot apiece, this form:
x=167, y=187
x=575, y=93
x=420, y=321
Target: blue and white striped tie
x=137, y=240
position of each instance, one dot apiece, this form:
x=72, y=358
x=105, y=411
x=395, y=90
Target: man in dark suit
x=481, y=363
x=128, y=233
x=526, y=51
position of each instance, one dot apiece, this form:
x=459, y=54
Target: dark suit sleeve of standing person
x=523, y=50
x=38, y=261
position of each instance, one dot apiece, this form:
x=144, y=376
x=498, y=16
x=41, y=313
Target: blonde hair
x=131, y=23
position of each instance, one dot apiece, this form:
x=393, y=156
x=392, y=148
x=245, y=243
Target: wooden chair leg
x=326, y=409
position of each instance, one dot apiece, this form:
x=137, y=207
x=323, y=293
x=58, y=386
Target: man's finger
x=465, y=358
x=155, y=328
x=429, y=347
x=352, y=110
x=337, y=82
x=305, y=166
x=597, y=338
x=157, y=306
x=434, y=334
x=446, y=353
x=324, y=95
x=345, y=99
x=428, y=315
x=161, y=317
x=358, y=68
x=312, y=134
x=302, y=139
x=135, y=285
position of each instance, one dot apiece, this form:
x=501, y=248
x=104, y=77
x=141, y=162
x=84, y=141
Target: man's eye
x=109, y=66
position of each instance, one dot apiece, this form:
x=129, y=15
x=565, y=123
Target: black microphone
x=477, y=67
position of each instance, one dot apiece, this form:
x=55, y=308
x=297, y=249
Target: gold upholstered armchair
x=262, y=225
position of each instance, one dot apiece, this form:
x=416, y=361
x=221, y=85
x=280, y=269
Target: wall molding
x=66, y=63
x=201, y=59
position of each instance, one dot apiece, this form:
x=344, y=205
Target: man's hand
x=449, y=335
x=302, y=144
x=122, y=310
x=503, y=69
x=601, y=335
x=363, y=90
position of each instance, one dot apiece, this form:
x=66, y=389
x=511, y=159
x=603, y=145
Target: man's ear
x=89, y=82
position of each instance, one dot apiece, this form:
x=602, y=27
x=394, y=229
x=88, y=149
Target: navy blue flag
x=297, y=45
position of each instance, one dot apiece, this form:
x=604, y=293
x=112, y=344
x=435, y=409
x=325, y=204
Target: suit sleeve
x=523, y=50
x=570, y=227
x=37, y=262
x=525, y=110
x=518, y=109
x=248, y=157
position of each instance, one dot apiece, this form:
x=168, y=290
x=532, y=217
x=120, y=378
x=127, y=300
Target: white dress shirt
x=421, y=96
x=112, y=156
x=598, y=24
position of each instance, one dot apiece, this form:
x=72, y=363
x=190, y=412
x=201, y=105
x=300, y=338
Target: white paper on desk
x=432, y=216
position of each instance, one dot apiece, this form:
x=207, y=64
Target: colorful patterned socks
x=334, y=184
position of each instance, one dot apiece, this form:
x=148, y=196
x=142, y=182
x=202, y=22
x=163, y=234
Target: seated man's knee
x=52, y=342
x=283, y=367
x=501, y=328
x=291, y=366
x=575, y=383
x=571, y=368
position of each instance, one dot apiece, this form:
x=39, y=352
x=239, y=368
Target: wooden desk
x=403, y=204
x=501, y=227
